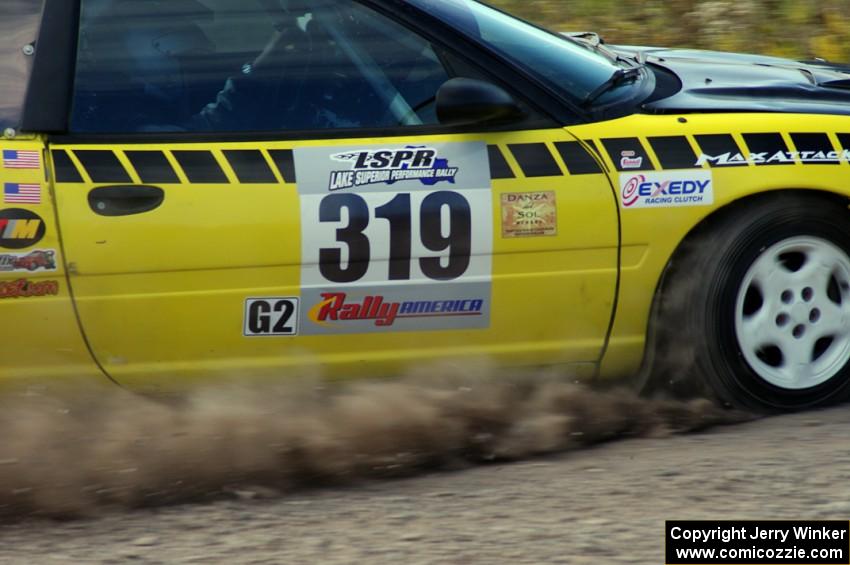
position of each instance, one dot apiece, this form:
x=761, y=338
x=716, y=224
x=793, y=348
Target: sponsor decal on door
x=20, y=228
x=36, y=260
x=529, y=214
x=26, y=288
x=395, y=238
x=667, y=189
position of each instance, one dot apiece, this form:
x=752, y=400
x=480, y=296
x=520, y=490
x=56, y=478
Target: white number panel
x=395, y=238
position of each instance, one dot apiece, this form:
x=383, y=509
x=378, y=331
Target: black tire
x=697, y=350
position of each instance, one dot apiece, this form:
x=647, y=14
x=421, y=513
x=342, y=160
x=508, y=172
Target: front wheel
x=757, y=309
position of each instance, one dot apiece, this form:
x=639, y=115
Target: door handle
x=125, y=200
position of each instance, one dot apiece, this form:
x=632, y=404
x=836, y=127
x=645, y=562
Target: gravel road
x=605, y=504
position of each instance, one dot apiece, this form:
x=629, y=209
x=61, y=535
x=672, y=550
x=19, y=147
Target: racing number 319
x=456, y=238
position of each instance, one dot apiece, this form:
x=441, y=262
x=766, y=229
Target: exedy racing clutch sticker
x=395, y=237
x=667, y=189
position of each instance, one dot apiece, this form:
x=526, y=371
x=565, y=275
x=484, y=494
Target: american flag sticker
x=21, y=159
x=14, y=193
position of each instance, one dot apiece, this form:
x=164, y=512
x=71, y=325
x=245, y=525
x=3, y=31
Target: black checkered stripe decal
x=536, y=160
x=254, y=166
x=723, y=150
x=250, y=166
x=532, y=160
x=670, y=152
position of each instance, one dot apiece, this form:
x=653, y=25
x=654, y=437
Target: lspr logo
x=388, y=166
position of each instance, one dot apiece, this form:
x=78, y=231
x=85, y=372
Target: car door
x=251, y=192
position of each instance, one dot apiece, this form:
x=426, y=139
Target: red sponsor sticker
x=25, y=288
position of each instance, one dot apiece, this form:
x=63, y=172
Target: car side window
x=249, y=65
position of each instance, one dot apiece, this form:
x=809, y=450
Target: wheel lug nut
x=799, y=331
x=783, y=319
x=807, y=294
x=787, y=297
x=814, y=315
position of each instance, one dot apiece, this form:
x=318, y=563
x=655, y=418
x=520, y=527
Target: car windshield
x=18, y=23
x=561, y=62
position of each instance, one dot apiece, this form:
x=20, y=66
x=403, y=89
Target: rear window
x=19, y=20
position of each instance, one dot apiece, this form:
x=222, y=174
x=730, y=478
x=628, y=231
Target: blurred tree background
x=788, y=28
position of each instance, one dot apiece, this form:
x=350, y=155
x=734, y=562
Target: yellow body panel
x=161, y=294
x=39, y=332
x=650, y=236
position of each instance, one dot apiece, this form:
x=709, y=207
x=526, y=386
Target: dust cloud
x=77, y=453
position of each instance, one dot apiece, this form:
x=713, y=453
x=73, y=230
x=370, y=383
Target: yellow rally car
x=254, y=187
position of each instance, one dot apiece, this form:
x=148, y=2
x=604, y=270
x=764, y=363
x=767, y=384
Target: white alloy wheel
x=792, y=314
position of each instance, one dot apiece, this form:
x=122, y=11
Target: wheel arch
x=647, y=380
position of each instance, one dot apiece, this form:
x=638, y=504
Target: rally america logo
x=388, y=166
x=335, y=307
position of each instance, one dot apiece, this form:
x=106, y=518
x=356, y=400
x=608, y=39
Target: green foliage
x=788, y=28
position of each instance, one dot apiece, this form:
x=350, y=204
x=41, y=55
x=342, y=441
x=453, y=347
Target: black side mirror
x=469, y=101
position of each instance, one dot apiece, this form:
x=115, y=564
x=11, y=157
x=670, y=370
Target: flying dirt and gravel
x=69, y=454
x=497, y=468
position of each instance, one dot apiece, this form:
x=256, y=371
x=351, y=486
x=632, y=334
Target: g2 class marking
x=275, y=316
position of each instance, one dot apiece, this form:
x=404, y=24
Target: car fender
x=675, y=147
